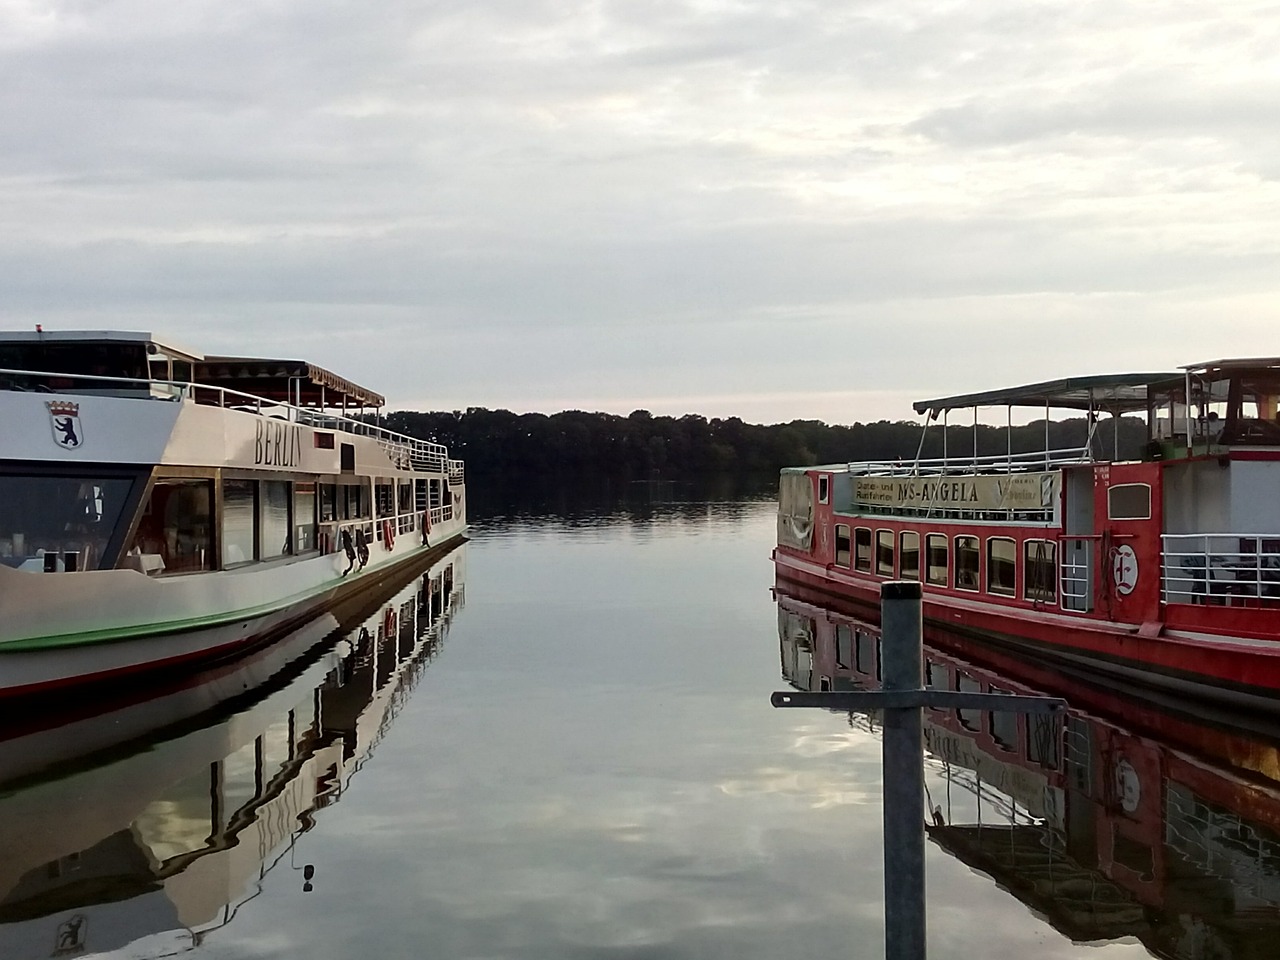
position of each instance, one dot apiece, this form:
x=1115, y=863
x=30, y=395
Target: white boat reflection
x=161, y=815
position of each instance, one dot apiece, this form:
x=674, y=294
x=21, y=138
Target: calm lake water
x=558, y=742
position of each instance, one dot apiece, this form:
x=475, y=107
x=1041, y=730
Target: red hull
x=1232, y=670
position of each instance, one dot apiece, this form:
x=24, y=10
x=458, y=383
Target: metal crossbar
x=1220, y=567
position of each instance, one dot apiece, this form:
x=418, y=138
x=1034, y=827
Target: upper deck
x=137, y=365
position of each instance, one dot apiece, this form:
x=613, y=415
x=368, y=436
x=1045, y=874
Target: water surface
x=581, y=761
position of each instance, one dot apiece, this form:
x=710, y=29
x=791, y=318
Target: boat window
x=404, y=493
x=328, y=502
x=862, y=549
x=936, y=676
x=1044, y=734
x=435, y=494
x=866, y=661
x=1129, y=501
x=909, y=562
x=355, y=501
x=1002, y=561
x=239, y=521
x=824, y=488
x=967, y=560
x=59, y=514
x=347, y=456
x=884, y=553
x=842, y=544
x=1040, y=570
x=935, y=556
x=174, y=534
x=273, y=519
x=384, y=496
x=304, y=517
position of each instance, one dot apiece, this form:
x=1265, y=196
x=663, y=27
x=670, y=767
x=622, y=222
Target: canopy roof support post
x=1187, y=404
x=975, y=440
x=1115, y=436
x=915, y=467
x=1046, y=433
x=944, y=440
x=1008, y=437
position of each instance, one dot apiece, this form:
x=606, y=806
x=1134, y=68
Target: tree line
x=643, y=446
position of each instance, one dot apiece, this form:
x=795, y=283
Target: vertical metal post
x=901, y=657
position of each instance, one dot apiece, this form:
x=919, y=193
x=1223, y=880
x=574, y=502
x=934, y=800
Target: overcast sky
x=766, y=209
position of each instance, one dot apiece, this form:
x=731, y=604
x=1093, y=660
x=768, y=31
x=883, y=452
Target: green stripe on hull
x=142, y=631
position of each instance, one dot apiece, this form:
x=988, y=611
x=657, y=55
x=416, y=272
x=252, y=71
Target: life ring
x=388, y=534
x=389, y=622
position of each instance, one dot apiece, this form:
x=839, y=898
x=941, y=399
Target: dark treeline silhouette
x=574, y=443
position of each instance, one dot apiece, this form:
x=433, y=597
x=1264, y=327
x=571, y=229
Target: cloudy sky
x=731, y=207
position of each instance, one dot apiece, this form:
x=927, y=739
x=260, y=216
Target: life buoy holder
x=388, y=534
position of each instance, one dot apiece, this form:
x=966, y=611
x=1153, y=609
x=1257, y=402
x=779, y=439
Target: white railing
x=999, y=463
x=409, y=453
x=1224, y=568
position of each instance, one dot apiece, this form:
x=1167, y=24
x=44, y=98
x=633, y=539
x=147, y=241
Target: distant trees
x=642, y=446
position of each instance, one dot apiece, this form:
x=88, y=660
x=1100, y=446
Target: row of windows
x=955, y=563
x=260, y=520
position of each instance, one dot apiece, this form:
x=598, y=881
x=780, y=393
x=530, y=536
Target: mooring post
x=901, y=659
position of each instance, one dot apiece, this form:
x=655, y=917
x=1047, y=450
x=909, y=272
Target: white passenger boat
x=160, y=507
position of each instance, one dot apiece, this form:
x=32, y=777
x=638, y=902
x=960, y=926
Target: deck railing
x=407, y=452
x=1234, y=569
x=999, y=463
x=1076, y=574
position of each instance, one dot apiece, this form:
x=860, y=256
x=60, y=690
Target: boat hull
x=1240, y=672
x=133, y=626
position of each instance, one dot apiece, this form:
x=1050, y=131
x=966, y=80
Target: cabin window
x=239, y=521
x=59, y=514
x=434, y=494
x=182, y=371
x=866, y=662
x=824, y=488
x=328, y=502
x=1044, y=734
x=355, y=501
x=304, y=517
x=175, y=527
x=404, y=495
x=1002, y=563
x=1129, y=501
x=273, y=519
x=384, y=496
x=1040, y=570
x=935, y=558
x=862, y=549
x=909, y=555
x=884, y=553
x=967, y=561
x=842, y=544
x=937, y=676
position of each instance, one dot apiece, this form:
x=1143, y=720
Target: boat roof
x=285, y=381
x=97, y=336
x=1236, y=363
x=1114, y=392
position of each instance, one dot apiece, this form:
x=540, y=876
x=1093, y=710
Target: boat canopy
x=285, y=381
x=1114, y=393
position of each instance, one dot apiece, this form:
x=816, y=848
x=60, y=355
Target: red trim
x=1255, y=454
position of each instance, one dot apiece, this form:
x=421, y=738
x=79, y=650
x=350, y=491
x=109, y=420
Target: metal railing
x=409, y=453
x=1236, y=569
x=998, y=463
x=1076, y=574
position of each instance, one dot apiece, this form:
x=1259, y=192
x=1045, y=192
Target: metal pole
x=901, y=656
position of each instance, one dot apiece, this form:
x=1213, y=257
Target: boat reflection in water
x=1122, y=818
x=163, y=815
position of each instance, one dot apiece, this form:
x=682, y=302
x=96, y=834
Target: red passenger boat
x=1163, y=570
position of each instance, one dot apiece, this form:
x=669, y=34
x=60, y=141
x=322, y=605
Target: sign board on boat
x=1019, y=491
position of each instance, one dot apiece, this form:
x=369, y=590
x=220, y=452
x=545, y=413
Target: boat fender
x=388, y=534
x=362, y=547
x=389, y=623
x=426, y=524
x=349, y=549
